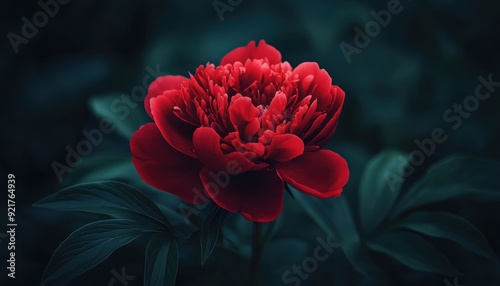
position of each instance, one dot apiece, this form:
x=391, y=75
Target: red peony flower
x=237, y=132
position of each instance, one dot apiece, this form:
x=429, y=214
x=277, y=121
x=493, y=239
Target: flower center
x=249, y=105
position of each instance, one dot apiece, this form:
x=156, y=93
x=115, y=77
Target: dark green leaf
x=379, y=187
x=335, y=218
x=210, y=230
x=107, y=197
x=319, y=212
x=451, y=178
x=103, y=166
x=89, y=246
x=126, y=117
x=119, y=167
x=238, y=235
x=449, y=226
x=413, y=251
x=271, y=229
x=162, y=258
x=289, y=191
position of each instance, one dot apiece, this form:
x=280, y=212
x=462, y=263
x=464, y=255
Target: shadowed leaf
x=162, y=258
x=116, y=199
x=449, y=226
x=210, y=230
x=452, y=178
x=379, y=187
x=88, y=246
x=413, y=251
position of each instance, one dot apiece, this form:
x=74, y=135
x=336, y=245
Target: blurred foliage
x=428, y=58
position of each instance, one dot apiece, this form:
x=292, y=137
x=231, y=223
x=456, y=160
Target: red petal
x=258, y=196
x=322, y=173
x=206, y=144
x=285, y=147
x=278, y=104
x=160, y=85
x=314, y=81
x=327, y=132
x=250, y=51
x=164, y=168
x=243, y=115
x=176, y=131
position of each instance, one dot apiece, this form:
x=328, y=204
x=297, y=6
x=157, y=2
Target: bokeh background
x=397, y=89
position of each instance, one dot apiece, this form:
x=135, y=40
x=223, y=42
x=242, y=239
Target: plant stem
x=256, y=252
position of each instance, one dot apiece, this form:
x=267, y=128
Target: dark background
x=397, y=89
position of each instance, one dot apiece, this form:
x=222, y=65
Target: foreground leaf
x=210, y=230
x=449, y=226
x=102, y=167
x=413, y=251
x=88, y=246
x=162, y=258
x=116, y=199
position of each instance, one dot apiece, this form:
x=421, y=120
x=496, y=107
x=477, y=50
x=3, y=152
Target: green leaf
x=88, y=246
x=102, y=166
x=449, y=226
x=335, y=218
x=289, y=191
x=119, y=167
x=319, y=212
x=210, y=230
x=271, y=229
x=413, y=251
x=127, y=117
x=116, y=199
x=379, y=187
x=451, y=178
x=162, y=259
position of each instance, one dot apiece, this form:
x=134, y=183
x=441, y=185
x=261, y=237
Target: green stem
x=256, y=252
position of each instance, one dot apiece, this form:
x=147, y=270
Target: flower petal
x=208, y=150
x=165, y=168
x=243, y=115
x=314, y=81
x=322, y=173
x=177, y=132
x=258, y=196
x=250, y=51
x=160, y=85
x=285, y=147
x=328, y=130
